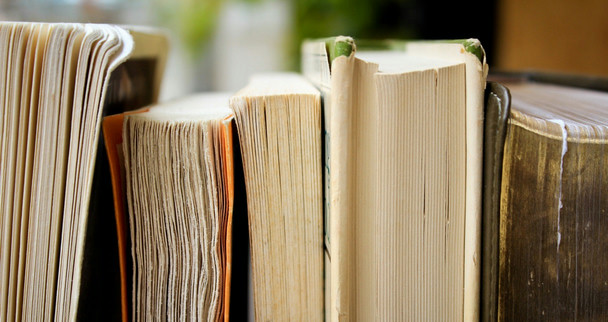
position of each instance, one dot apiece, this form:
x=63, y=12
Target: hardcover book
x=403, y=159
x=552, y=251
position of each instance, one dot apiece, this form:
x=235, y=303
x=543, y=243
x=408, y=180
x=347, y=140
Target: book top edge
x=558, y=129
x=193, y=108
x=345, y=46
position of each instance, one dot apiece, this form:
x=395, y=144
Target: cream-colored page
x=279, y=116
x=419, y=217
x=89, y=44
x=75, y=172
x=32, y=31
x=476, y=73
x=364, y=186
x=8, y=123
x=392, y=273
x=41, y=218
x=118, y=49
x=61, y=137
x=26, y=229
x=5, y=37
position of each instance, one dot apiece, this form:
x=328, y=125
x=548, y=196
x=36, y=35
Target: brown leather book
x=552, y=250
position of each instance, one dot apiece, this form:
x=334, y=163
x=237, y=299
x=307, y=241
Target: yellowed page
x=279, y=121
x=364, y=137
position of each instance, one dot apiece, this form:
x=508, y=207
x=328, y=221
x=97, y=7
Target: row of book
x=389, y=181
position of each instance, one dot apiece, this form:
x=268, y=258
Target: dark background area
x=397, y=19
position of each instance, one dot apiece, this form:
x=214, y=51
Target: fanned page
x=553, y=242
x=279, y=124
x=400, y=148
x=179, y=188
x=52, y=93
x=133, y=84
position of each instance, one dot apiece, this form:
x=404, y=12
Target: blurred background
x=218, y=44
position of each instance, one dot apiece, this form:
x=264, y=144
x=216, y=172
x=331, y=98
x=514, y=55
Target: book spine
x=340, y=163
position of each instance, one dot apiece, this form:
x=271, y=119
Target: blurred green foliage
x=371, y=19
x=193, y=20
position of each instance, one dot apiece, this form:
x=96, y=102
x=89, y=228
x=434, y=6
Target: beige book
x=178, y=166
x=278, y=118
x=403, y=140
x=57, y=81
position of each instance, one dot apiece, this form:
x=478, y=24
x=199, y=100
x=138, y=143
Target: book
x=178, y=166
x=279, y=120
x=57, y=82
x=278, y=117
x=175, y=170
x=402, y=177
x=551, y=253
x=389, y=181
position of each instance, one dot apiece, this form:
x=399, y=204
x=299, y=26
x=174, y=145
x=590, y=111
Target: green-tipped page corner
x=395, y=225
x=340, y=46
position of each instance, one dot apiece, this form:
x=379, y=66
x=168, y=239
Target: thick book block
x=403, y=162
x=553, y=242
x=278, y=117
x=58, y=256
x=552, y=245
